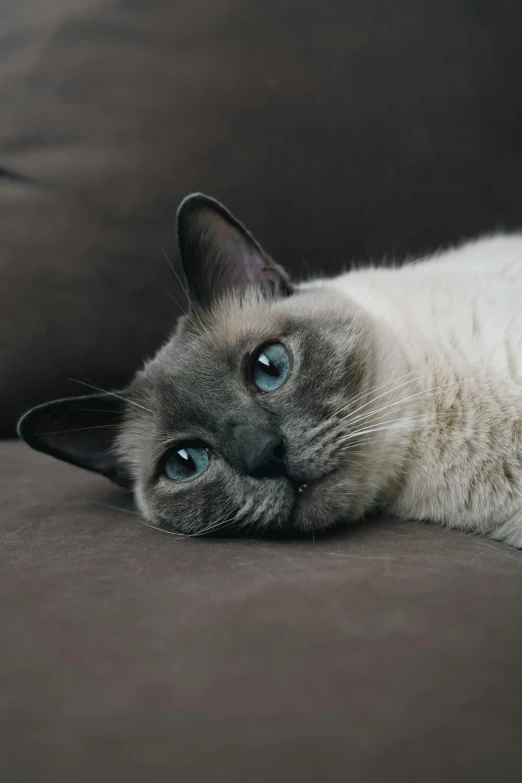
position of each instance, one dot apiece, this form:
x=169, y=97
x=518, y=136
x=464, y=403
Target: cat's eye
x=185, y=461
x=270, y=367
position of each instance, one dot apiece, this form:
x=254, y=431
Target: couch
x=338, y=132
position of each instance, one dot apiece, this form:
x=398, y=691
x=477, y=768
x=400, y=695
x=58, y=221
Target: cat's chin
x=319, y=504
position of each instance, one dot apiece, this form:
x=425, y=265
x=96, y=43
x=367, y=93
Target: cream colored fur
x=449, y=331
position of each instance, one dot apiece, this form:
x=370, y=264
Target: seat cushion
x=388, y=652
x=369, y=129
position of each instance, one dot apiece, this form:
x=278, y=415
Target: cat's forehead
x=236, y=321
x=205, y=345
x=231, y=327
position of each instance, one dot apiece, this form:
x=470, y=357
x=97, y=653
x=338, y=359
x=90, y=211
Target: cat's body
x=456, y=320
x=274, y=405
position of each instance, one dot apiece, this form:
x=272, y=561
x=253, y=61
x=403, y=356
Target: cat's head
x=239, y=420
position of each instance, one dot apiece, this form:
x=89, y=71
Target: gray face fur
x=198, y=388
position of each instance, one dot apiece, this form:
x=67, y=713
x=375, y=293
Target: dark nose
x=262, y=450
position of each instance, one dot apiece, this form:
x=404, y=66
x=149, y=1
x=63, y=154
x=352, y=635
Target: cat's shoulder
x=471, y=267
x=497, y=253
x=492, y=250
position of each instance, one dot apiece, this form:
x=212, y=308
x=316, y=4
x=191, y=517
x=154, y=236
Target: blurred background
x=337, y=131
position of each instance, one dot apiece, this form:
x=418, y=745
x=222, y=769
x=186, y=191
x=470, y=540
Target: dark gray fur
x=197, y=387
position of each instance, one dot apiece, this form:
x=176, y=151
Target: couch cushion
x=370, y=128
x=390, y=652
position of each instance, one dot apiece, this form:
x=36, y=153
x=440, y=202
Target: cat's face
x=240, y=419
x=246, y=423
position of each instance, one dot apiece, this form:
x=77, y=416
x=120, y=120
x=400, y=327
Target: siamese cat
x=284, y=405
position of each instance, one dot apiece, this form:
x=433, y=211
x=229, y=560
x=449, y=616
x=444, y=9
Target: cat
x=277, y=405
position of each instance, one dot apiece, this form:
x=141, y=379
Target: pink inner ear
x=244, y=263
x=219, y=255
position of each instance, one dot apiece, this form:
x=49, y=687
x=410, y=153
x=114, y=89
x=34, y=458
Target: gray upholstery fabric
x=336, y=131
x=387, y=653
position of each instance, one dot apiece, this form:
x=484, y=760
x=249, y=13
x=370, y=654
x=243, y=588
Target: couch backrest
x=334, y=130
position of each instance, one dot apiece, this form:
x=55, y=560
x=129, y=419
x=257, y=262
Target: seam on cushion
x=14, y=176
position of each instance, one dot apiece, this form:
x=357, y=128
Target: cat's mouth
x=311, y=503
x=305, y=488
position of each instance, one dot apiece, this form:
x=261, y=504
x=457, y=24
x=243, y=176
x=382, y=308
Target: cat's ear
x=79, y=430
x=218, y=254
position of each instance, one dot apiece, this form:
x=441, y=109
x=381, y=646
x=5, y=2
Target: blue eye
x=270, y=367
x=186, y=461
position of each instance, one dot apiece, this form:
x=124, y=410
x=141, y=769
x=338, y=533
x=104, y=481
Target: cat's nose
x=267, y=458
x=263, y=452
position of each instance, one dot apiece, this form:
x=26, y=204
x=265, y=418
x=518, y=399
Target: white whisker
x=116, y=508
x=300, y=375
x=392, y=424
x=389, y=391
x=112, y=394
x=194, y=311
x=170, y=295
x=80, y=429
x=376, y=389
x=426, y=392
